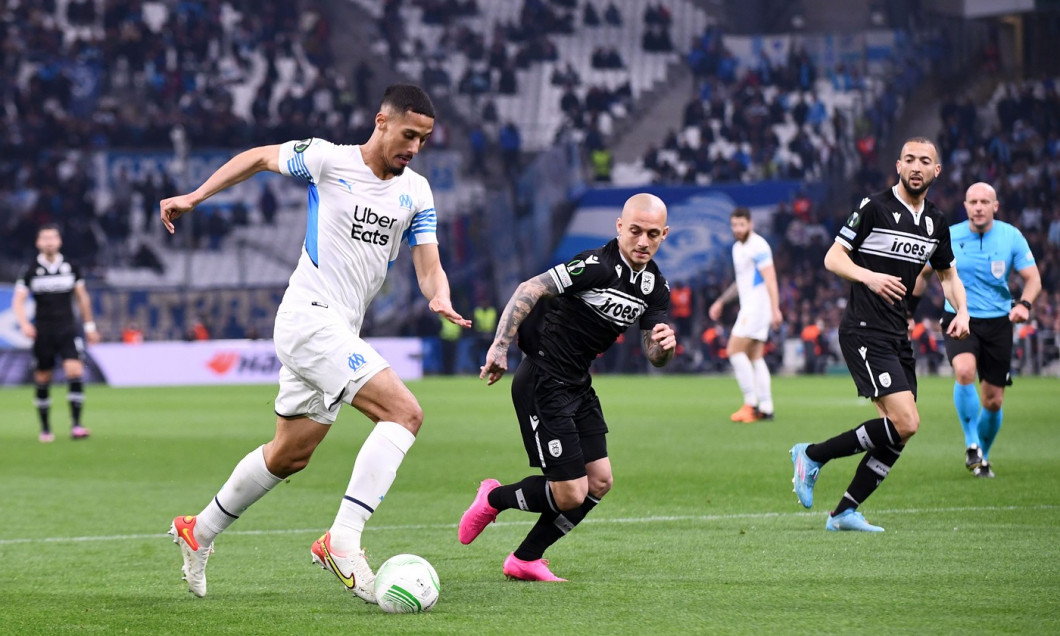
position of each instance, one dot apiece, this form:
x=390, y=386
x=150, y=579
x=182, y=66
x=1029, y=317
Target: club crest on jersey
x=405, y=201
x=929, y=225
x=885, y=380
x=647, y=282
x=997, y=268
x=355, y=361
x=555, y=448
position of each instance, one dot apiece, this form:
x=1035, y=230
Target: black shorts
x=562, y=423
x=880, y=364
x=990, y=341
x=50, y=345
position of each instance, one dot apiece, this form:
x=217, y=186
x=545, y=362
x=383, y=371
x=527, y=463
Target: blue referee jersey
x=984, y=262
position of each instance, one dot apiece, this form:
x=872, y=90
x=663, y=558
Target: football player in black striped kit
x=881, y=250
x=54, y=282
x=565, y=318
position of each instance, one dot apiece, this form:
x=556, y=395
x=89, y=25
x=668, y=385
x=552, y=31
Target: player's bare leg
x=385, y=400
x=255, y=475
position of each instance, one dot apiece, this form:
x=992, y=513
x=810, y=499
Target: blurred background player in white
x=363, y=203
x=54, y=282
x=986, y=251
x=756, y=286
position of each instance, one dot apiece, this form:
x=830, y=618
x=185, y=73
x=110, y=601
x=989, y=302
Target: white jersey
x=748, y=259
x=355, y=225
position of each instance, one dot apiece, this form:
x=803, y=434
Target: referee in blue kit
x=986, y=251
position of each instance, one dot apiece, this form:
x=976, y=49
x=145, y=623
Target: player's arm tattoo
x=521, y=303
x=654, y=350
x=729, y=294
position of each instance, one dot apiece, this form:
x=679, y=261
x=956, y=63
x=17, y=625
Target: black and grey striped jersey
x=52, y=286
x=885, y=235
x=601, y=298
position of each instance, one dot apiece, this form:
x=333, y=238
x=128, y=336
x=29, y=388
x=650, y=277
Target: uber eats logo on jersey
x=366, y=226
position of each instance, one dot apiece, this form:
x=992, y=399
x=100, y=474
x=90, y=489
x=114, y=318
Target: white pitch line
x=445, y=526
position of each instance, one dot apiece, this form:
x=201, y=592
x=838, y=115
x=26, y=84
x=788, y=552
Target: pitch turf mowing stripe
x=655, y=519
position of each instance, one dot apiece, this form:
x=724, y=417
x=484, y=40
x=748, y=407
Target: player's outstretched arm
x=1032, y=286
x=659, y=344
x=238, y=169
x=953, y=289
x=838, y=261
x=434, y=284
x=515, y=312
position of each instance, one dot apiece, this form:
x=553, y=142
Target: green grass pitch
x=701, y=533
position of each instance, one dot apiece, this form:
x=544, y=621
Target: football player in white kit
x=363, y=203
x=756, y=286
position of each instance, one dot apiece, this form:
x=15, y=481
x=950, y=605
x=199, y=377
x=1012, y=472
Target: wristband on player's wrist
x=1021, y=301
x=90, y=326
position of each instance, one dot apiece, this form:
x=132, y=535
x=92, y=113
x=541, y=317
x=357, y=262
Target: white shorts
x=752, y=322
x=324, y=363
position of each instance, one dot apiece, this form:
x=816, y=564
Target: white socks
x=763, y=386
x=249, y=482
x=745, y=377
x=373, y=473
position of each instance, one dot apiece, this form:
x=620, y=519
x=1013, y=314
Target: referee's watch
x=1025, y=303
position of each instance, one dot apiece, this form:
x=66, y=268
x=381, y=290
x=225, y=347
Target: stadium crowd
x=234, y=74
x=229, y=74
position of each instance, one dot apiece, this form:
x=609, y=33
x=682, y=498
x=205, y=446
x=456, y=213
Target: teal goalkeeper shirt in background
x=984, y=262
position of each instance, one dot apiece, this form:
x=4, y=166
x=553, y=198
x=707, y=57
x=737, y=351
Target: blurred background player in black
x=53, y=281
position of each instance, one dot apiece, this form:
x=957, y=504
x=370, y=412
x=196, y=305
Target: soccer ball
x=406, y=584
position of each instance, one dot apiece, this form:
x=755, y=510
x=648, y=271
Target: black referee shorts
x=990, y=341
x=880, y=364
x=49, y=345
x=562, y=424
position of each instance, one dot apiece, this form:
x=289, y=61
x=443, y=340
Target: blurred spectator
x=198, y=331
x=681, y=309
x=132, y=334
x=510, y=142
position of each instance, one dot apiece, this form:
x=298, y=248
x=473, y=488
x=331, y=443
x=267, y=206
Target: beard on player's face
x=925, y=183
